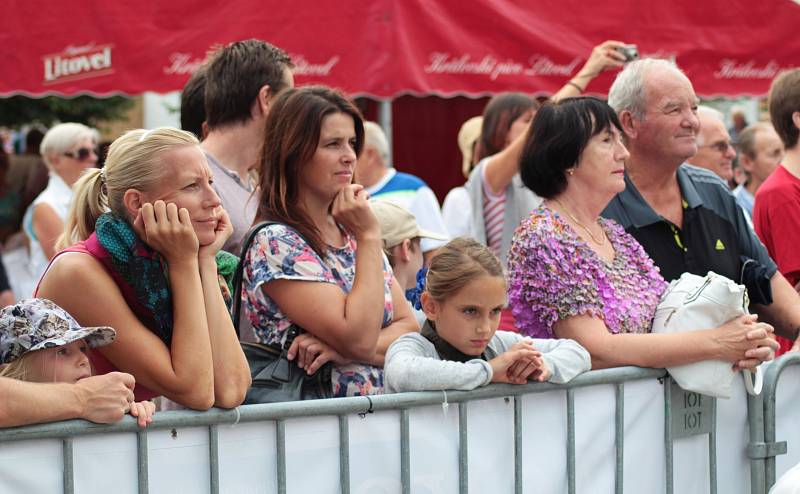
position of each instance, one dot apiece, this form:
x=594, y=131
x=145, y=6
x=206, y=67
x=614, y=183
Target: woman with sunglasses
x=67, y=149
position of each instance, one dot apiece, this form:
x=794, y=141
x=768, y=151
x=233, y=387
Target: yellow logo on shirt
x=720, y=245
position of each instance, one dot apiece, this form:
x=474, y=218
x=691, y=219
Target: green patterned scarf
x=146, y=271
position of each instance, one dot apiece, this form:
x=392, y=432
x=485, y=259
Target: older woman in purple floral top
x=575, y=275
x=556, y=275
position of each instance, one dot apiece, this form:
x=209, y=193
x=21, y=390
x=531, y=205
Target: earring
x=571, y=172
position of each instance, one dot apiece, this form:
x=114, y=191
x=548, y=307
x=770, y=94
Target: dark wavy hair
x=501, y=111
x=291, y=138
x=558, y=136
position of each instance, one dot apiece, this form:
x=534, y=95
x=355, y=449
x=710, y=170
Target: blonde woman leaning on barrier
x=149, y=229
x=576, y=275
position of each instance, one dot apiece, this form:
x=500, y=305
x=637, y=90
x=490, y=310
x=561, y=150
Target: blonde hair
x=456, y=264
x=133, y=162
x=18, y=369
x=61, y=138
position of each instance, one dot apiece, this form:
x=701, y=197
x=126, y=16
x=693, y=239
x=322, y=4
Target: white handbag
x=693, y=303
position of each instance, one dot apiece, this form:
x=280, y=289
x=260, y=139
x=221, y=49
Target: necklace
x=600, y=242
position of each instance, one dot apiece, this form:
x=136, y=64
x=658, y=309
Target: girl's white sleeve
x=565, y=358
x=412, y=364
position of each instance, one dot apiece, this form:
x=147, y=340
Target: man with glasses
x=714, y=149
x=685, y=217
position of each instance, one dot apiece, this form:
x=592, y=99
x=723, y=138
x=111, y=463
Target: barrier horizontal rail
x=333, y=406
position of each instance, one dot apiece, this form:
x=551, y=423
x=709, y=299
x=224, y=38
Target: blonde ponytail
x=89, y=201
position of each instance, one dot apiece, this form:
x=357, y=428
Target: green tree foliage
x=20, y=110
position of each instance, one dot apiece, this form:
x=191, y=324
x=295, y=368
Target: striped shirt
x=494, y=208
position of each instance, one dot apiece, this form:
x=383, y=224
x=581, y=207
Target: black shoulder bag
x=275, y=377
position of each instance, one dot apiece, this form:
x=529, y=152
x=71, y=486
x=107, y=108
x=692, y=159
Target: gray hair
x=62, y=137
x=708, y=113
x=375, y=138
x=627, y=91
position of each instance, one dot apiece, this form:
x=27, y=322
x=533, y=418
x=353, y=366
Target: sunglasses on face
x=81, y=154
x=721, y=146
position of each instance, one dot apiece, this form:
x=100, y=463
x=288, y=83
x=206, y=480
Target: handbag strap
x=239, y=274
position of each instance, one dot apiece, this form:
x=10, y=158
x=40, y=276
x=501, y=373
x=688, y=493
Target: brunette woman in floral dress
x=320, y=266
x=575, y=275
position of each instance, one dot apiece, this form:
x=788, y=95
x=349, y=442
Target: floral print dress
x=278, y=252
x=554, y=275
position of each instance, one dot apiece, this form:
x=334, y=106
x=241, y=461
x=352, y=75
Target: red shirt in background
x=776, y=218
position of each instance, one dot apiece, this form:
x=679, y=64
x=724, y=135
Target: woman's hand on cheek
x=167, y=230
x=351, y=209
x=222, y=233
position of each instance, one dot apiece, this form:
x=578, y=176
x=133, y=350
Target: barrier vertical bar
x=142, y=453
x=770, y=474
x=668, y=433
x=755, y=420
x=619, y=437
x=405, y=452
x=344, y=454
x=213, y=458
x=280, y=439
x=517, y=444
x=463, y=459
x=69, y=465
x=712, y=448
x=570, y=441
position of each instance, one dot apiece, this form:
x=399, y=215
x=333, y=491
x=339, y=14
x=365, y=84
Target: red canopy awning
x=384, y=48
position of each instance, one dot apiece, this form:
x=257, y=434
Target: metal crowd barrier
x=685, y=414
x=763, y=448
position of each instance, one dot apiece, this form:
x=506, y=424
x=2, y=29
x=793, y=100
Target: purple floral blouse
x=279, y=252
x=554, y=275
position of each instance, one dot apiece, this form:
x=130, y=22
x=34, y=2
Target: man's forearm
x=784, y=311
x=25, y=403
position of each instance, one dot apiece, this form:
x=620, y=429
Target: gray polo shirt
x=239, y=200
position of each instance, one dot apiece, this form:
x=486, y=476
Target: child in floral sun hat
x=41, y=342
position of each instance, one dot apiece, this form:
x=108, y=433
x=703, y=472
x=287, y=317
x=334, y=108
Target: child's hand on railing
x=517, y=365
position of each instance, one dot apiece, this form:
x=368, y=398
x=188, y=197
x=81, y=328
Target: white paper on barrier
x=733, y=436
x=643, y=467
x=434, y=450
x=787, y=419
x=31, y=466
x=375, y=453
x=544, y=442
x=248, y=458
x=105, y=463
x=594, y=439
x=312, y=455
x=491, y=445
x=179, y=460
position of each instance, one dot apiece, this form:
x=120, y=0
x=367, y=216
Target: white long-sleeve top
x=412, y=363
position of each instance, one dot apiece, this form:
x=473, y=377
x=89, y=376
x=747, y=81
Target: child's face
x=469, y=318
x=67, y=363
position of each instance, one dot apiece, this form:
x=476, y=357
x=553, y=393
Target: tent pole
x=385, y=121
